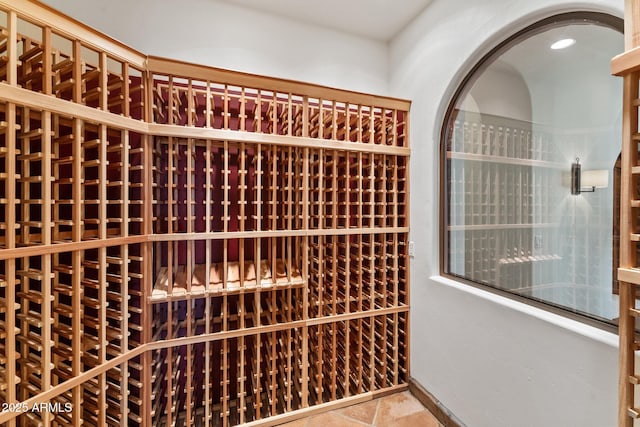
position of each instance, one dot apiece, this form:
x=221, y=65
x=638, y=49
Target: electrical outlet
x=537, y=241
x=412, y=249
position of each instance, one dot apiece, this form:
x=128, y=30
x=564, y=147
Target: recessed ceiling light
x=561, y=44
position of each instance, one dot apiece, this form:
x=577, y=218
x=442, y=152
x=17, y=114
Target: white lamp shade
x=595, y=178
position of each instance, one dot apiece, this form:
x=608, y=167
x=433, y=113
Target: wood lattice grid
x=98, y=203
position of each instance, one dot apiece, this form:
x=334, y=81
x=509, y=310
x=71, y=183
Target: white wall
x=233, y=37
x=491, y=361
x=498, y=82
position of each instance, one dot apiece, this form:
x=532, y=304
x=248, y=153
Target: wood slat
x=282, y=291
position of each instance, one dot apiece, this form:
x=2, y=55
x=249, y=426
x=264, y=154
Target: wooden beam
x=631, y=24
x=12, y=49
x=10, y=221
x=627, y=250
x=46, y=312
x=39, y=101
x=165, y=66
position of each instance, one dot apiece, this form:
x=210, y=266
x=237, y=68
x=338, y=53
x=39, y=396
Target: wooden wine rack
x=500, y=227
x=184, y=245
x=626, y=66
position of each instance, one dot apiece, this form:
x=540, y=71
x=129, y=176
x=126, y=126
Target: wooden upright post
x=628, y=274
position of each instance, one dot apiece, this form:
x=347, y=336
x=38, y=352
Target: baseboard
x=446, y=418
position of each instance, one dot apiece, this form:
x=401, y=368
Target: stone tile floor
x=396, y=410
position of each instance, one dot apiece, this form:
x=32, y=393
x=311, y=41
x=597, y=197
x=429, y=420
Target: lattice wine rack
x=500, y=218
x=184, y=245
x=626, y=65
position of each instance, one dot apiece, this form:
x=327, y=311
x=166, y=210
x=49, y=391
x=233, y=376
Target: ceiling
x=569, y=89
x=534, y=59
x=374, y=19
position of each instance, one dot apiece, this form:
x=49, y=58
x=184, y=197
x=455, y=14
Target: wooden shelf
x=506, y=160
x=219, y=283
x=626, y=65
x=201, y=246
x=475, y=227
x=530, y=259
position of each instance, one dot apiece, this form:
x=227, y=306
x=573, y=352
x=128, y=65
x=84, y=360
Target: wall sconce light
x=587, y=181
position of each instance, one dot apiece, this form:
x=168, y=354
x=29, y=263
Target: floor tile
x=364, y=412
x=418, y=419
x=396, y=410
x=297, y=423
x=397, y=406
x=331, y=419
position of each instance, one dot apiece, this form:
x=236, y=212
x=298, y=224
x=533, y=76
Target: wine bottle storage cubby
x=62, y=140
x=357, y=190
x=108, y=170
x=184, y=101
x=33, y=184
x=185, y=318
x=357, y=273
x=50, y=62
x=184, y=245
x=56, y=310
x=357, y=356
x=484, y=194
x=500, y=137
x=239, y=380
x=34, y=320
x=63, y=317
x=502, y=217
x=4, y=46
x=213, y=186
x=8, y=177
x=8, y=330
x=132, y=406
x=197, y=268
x=505, y=257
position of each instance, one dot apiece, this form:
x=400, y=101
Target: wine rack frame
x=626, y=65
x=185, y=245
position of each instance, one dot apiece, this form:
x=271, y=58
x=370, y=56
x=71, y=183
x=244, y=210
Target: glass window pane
x=522, y=119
